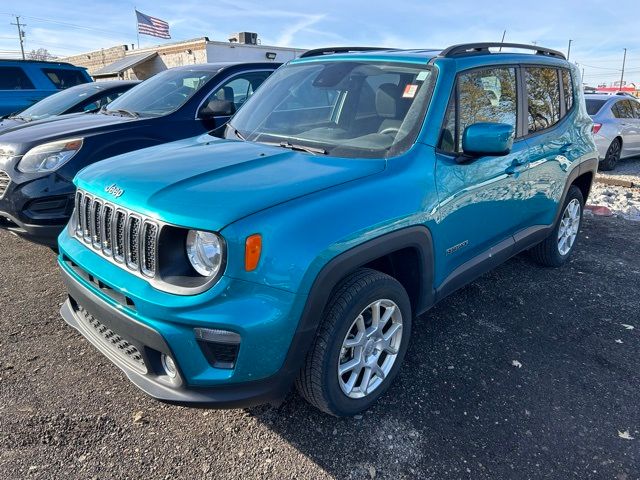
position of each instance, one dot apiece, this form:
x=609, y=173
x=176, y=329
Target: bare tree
x=40, y=54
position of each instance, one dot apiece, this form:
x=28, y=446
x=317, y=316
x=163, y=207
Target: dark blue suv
x=38, y=161
x=25, y=82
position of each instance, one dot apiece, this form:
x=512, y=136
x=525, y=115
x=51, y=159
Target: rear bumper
x=150, y=343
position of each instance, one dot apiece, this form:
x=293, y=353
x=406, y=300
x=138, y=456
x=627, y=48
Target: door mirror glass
x=480, y=139
x=218, y=108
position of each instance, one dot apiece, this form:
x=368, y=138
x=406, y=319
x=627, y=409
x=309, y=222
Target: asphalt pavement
x=527, y=372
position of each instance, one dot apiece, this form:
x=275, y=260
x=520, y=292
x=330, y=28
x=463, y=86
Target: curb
x=616, y=182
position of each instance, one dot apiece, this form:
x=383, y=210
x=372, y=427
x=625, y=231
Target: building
x=129, y=63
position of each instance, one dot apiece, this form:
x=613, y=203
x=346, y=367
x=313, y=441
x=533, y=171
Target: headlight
x=204, y=250
x=49, y=156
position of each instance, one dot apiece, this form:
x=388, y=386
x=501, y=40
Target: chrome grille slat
x=5, y=180
x=118, y=234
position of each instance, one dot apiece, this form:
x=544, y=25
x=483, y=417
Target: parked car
x=87, y=97
x=25, y=82
x=352, y=192
x=616, y=127
x=38, y=162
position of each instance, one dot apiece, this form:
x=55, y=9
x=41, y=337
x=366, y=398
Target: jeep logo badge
x=114, y=190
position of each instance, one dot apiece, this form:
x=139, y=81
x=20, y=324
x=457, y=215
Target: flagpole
x=137, y=29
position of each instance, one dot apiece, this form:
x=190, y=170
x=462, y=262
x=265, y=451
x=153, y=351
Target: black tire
x=318, y=380
x=547, y=252
x=612, y=156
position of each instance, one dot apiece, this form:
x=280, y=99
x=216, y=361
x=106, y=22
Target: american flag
x=152, y=26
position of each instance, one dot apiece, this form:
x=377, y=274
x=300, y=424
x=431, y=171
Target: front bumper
x=37, y=209
x=261, y=375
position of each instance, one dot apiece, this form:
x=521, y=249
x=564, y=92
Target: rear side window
x=622, y=109
x=64, y=78
x=543, y=89
x=567, y=86
x=14, y=78
x=487, y=95
x=594, y=106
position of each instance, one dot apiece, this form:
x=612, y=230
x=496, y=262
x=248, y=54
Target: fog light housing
x=169, y=366
x=220, y=347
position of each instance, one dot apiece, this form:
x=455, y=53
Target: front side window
x=64, y=78
x=163, y=93
x=342, y=108
x=14, y=78
x=543, y=89
x=487, y=95
x=238, y=89
x=636, y=108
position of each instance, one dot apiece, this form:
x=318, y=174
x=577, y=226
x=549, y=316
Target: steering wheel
x=390, y=130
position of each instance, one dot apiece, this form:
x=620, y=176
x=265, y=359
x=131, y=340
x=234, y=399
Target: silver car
x=616, y=128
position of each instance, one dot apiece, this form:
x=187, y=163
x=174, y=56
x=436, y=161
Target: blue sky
x=599, y=30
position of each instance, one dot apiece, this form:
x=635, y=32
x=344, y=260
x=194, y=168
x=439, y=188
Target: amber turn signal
x=252, y=251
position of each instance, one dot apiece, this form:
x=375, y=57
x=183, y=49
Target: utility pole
x=20, y=34
x=624, y=59
x=569, y=49
x=502, y=41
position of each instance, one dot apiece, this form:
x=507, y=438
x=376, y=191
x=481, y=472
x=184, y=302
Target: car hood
x=63, y=126
x=209, y=183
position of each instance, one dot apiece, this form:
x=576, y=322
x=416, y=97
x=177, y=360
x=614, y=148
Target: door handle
x=518, y=165
x=566, y=148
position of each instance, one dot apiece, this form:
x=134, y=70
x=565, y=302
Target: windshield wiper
x=303, y=148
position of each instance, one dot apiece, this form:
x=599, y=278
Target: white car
x=616, y=128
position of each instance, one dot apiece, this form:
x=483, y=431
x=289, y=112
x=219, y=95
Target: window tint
x=14, y=78
x=64, y=78
x=483, y=96
x=636, y=108
x=622, y=109
x=98, y=102
x=239, y=89
x=567, y=86
x=594, y=106
x=543, y=97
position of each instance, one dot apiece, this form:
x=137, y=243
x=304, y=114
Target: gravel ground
x=627, y=169
x=613, y=190
x=526, y=373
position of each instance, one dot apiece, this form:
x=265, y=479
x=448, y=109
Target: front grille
x=117, y=234
x=4, y=183
x=98, y=331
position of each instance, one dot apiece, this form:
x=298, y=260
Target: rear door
x=552, y=136
x=482, y=202
x=631, y=125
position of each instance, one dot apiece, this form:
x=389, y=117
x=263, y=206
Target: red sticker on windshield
x=410, y=91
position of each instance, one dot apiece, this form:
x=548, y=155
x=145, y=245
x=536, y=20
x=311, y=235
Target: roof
x=39, y=62
x=123, y=64
x=599, y=96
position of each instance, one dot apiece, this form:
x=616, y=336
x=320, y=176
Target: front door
x=482, y=202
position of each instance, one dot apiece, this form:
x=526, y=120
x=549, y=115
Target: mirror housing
x=218, y=108
x=487, y=139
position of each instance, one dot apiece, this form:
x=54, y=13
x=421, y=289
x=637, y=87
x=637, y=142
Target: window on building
x=543, y=90
x=14, y=78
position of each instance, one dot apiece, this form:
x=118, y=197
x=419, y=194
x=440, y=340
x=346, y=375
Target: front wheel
x=360, y=345
x=556, y=249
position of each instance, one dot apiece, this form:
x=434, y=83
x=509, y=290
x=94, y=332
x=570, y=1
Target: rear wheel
x=612, y=156
x=556, y=249
x=360, y=345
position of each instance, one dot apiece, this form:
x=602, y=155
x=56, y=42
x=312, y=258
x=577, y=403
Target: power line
x=74, y=25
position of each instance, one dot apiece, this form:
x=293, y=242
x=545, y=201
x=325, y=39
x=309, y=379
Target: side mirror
x=218, y=108
x=487, y=139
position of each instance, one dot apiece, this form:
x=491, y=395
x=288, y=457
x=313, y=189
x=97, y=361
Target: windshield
x=594, y=106
x=58, y=102
x=341, y=108
x=162, y=93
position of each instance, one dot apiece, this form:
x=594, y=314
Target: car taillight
x=596, y=128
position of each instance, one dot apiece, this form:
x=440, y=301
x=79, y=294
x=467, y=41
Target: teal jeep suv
x=354, y=190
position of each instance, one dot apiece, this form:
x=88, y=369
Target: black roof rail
x=483, y=48
x=318, y=52
x=26, y=60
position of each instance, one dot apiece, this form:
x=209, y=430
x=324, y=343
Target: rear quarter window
x=64, y=78
x=14, y=78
